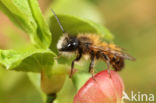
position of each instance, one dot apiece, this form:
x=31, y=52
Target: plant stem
x=51, y=98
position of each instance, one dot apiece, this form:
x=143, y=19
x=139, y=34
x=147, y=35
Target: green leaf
x=82, y=8
x=20, y=13
x=26, y=15
x=30, y=61
x=42, y=31
x=74, y=26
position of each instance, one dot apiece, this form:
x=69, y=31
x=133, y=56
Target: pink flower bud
x=101, y=89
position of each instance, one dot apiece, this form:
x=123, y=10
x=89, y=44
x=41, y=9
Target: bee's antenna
x=58, y=20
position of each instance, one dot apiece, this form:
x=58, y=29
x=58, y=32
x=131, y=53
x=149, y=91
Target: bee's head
x=68, y=44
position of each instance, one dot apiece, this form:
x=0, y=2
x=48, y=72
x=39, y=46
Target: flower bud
x=101, y=89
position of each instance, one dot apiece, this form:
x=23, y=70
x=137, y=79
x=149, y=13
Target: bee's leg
x=108, y=68
x=91, y=66
x=108, y=64
x=72, y=66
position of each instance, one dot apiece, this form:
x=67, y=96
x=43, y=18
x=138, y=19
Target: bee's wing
x=114, y=52
x=122, y=54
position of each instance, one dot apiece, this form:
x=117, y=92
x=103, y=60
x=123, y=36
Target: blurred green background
x=133, y=23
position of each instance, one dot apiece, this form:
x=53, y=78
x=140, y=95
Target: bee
x=91, y=45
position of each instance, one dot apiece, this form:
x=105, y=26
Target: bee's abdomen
x=117, y=64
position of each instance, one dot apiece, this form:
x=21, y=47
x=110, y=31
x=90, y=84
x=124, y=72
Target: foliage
x=26, y=15
x=30, y=61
